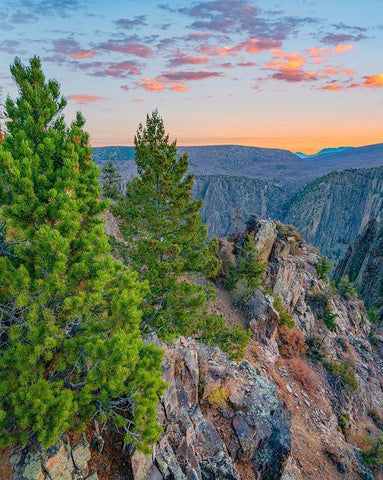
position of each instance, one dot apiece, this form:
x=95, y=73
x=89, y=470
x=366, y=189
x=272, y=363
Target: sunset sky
x=301, y=75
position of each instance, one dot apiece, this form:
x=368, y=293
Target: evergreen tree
x=70, y=341
x=166, y=241
x=110, y=179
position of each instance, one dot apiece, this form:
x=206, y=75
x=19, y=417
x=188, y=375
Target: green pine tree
x=70, y=341
x=110, y=179
x=166, y=241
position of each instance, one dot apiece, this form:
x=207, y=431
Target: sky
x=300, y=75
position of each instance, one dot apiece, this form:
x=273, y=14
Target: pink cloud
x=246, y=64
x=81, y=54
x=133, y=48
x=122, y=68
x=180, y=59
x=257, y=45
x=84, y=99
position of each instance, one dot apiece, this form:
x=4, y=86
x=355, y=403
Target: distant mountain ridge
x=323, y=151
x=278, y=165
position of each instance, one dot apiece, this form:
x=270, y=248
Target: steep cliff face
x=331, y=211
x=363, y=263
x=226, y=196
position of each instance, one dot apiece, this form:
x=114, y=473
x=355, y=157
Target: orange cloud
x=339, y=49
x=158, y=84
x=84, y=99
x=179, y=88
x=373, y=81
x=332, y=87
x=319, y=54
x=286, y=61
x=81, y=54
x=151, y=84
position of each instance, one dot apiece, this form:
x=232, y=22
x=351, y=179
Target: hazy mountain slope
x=360, y=157
x=224, y=196
x=363, y=263
x=332, y=210
x=225, y=160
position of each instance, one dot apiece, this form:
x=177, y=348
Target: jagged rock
x=55, y=463
x=264, y=318
x=58, y=462
x=81, y=455
x=31, y=470
x=216, y=413
x=141, y=465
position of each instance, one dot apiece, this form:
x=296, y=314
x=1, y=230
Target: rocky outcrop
x=60, y=462
x=363, y=263
x=220, y=419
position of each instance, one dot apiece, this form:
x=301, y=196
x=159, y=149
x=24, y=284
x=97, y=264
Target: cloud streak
x=84, y=99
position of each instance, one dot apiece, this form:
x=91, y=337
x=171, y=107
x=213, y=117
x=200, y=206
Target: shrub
x=242, y=292
x=322, y=305
x=284, y=317
x=232, y=339
x=346, y=288
x=376, y=417
x=373, y=316
x=344, y=371
x=344, y=423
x=227, y=257
x=218, y=397
x=323, y=267
x=316, y=348
x=286, y=231
x=373, y=450
x=303, y=374
x=291, y=342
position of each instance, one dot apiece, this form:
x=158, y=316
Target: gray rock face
x=331, y=211
x=363, y=263
x=216, y=414
x=225, y=195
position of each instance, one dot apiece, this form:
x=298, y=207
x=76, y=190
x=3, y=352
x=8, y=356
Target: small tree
x=346, y=288
x=165, y=239
x=323, y=267
x=110, y=179
x=70, y=339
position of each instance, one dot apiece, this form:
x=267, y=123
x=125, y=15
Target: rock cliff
x=330, y=212
x=363, y=263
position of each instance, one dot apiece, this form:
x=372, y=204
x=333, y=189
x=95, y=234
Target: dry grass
x=302, y=373
x=291, y=342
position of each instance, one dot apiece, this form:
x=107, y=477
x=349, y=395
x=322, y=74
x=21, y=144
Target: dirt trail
x=224, y=306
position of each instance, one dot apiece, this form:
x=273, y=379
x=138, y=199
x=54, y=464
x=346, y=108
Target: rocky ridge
x=280, y=413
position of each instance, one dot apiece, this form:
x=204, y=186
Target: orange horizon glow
x=308, y=146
